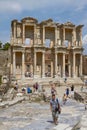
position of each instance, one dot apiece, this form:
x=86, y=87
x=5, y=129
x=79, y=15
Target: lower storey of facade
x=41, y=64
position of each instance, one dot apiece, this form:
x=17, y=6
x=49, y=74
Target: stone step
x=46, y=81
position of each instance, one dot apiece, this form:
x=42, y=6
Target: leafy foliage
x=1, y=44
x=4, y=46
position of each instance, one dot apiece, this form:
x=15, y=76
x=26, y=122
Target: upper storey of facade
x=29, y=33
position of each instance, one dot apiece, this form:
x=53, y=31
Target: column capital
x=23, y=51
x=74, y=53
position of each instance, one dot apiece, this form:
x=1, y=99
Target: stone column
x=69, y=66
x=55, y=64
x=51, y=68
x=14, y=32
x=23, y=34
x=63, y=36
x=69, y=70
x=43, y=64
x=74, y=63
x=43, y=35
x=34, y=42
x=63, y=64
x=23, y=65
x=55, y=36
x=74, y=36
x=34, y=69
x=14, y=63
x=80, y=37
x=81, y=65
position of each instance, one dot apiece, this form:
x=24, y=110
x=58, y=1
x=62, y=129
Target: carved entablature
x=28, y=50
x=16, y=49
x=79, y=26
x=15, y=20
x=48, y=22
x=69, y=24
x=29, y=20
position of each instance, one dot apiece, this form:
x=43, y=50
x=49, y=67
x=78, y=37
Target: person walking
x=53, y=89
x=55, y=108
x=67, y=92
x=64, y=99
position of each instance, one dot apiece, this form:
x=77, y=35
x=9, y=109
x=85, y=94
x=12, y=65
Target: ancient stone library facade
x=45, y=49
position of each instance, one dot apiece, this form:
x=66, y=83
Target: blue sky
x=59, y=10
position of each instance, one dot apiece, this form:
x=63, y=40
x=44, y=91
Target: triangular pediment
x=69, y=24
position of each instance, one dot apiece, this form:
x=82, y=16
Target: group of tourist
x=54, y=102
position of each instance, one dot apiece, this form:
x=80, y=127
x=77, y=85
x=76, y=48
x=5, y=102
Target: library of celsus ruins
x=45, y=49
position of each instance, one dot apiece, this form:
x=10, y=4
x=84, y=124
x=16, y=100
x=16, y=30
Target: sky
x=60, y=11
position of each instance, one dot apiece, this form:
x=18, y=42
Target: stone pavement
x=37, y=116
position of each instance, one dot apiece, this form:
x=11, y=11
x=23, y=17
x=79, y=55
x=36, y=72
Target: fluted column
x=43, y=35
x=43, y=64
x=23, y=64
x=55, y=64
x=14, y=63
x=34, y=70
x=63, y=64
x=23, y=34
x=63, y=35
x=74, y=74
x=81, y=65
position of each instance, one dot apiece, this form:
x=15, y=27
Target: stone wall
x=85, y=65
x=81, y=96
x=4, y=62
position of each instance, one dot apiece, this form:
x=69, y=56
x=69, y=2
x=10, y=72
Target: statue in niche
x=38, y=68
x=58, y=71
x=38, y=34
x=18, y=31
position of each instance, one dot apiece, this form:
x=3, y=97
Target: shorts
x=54, y=115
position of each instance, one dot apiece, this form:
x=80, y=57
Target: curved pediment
x=47, y=22
x=29, y=20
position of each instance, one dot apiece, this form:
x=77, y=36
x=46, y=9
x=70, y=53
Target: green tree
x=0, y=44
x=6, y=46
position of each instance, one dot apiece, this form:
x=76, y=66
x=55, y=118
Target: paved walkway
x=37, y=116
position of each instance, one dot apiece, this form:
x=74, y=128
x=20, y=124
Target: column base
x=43, y=76
x=23, y=76
x=64, y=75
x=74, y=76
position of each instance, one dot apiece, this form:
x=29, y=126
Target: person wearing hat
x=54, y=106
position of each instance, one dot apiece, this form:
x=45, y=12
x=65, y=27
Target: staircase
x=46, y=81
